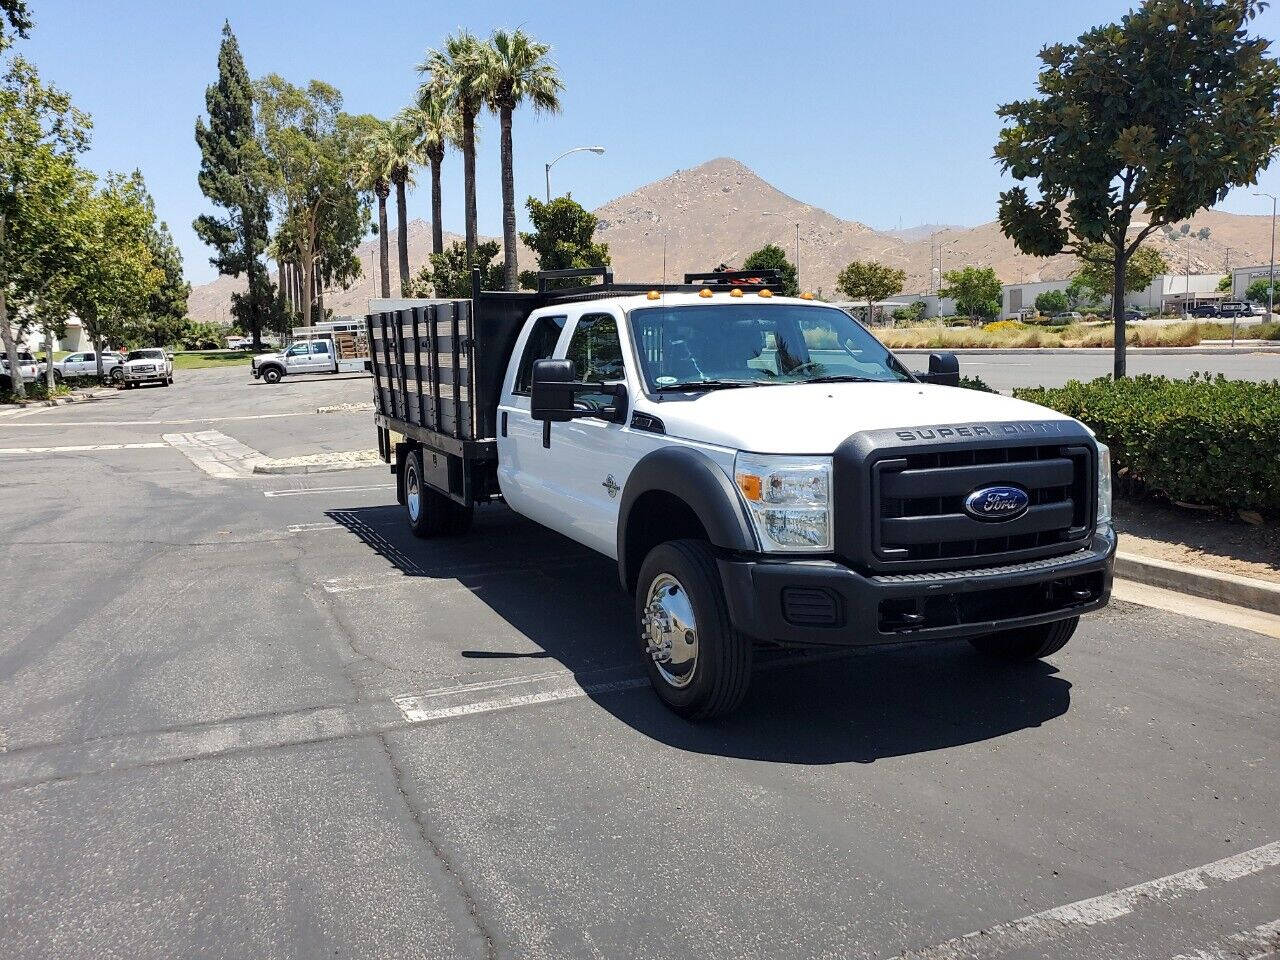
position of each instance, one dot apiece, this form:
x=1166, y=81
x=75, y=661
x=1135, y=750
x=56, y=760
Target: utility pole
x=1271, y=282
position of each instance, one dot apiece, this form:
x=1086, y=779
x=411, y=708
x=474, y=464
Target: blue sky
x=879, y=112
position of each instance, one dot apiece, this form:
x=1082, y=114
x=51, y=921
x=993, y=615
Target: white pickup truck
x=761, y=468
x=331, y=347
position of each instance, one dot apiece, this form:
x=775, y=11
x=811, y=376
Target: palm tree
x=516, y=69
x=405, y=155
x=436, y=126
x=376, y=164
x=454, y=73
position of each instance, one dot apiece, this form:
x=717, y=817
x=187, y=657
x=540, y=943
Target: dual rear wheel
x=431, y=513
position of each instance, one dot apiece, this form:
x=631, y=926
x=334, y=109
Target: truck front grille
x=919, y=500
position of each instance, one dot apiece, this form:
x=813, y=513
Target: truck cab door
x=523, y=462
x=297, y=358
x=593, y=456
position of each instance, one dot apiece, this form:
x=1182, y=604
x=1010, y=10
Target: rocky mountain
x=720, y=211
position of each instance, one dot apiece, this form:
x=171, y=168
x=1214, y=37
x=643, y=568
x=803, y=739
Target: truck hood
x=260, y=357
x=817, y=417
x=141, y=362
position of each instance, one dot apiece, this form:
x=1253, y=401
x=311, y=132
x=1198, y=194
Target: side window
x=320, y=348
x=596, y=353
x=297, y=350
x=540, y=345
x=78, y=358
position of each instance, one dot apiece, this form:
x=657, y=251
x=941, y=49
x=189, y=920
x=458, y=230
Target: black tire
x=721, y=673
x=272, y=374
x=436, y=514
x=1028, y=643
x=116, y=375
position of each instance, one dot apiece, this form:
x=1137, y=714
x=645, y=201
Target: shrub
x=1204, y=440
x=975, y=383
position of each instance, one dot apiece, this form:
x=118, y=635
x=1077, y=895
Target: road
x=1021, y=369
x=253, y=717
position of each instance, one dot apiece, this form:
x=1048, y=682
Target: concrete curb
x=61, y=401
x=1084, y=351
x=1225, y=587
x=286, y=466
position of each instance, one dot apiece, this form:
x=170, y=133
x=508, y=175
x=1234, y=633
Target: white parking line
x=1025, y=933
x=82, y=447
x=144, y=423
x=1262, y=941
x=305, y=491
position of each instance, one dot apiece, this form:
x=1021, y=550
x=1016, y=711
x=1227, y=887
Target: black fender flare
x=693, y=477
x=272, y=364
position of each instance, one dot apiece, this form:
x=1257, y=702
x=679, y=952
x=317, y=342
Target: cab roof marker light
x=806, y=295
x=735, y=292
x=653, y=295
x=766, y=292
x=704, y=292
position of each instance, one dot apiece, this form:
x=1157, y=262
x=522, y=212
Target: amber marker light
x=806, y=295
x=766, y=293
x=653, y=295
x=704, y=292
x=735, y=292
x=750, y=486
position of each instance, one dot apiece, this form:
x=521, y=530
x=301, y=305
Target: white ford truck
x=761, y=468
x=333, y=346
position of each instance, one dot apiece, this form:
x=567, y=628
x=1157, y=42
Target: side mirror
x=554, y=390
x=944, y=370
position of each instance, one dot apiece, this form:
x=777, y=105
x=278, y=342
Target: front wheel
x=699, y=664
x=271, y=375
x=1027, y=643
x=116, y=375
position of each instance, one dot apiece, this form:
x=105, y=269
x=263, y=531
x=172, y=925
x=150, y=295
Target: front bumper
x=827, y=603
x=145, y=376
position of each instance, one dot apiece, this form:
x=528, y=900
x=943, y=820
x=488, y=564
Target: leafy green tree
x=516, y=70
x=1096, y=276
x=436, y=126
x=1166, y=110
x=1259, y=290
x=118, y=274
x=773, y=257
x=456, y=74
x=233, y=175
x=562, y=240
x=164, y=319
x=41, y=192
x=14, y=15
x=976, y=291
x=374, y=175
x=1225, y=284
x=870, y=280
x=310, y=147
x=448, y=276
x=1052, y=301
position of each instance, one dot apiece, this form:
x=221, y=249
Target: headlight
x=789, y=499
x=1104, y=483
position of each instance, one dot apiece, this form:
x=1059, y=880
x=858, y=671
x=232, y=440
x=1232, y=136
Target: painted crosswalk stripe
x=1049, y=924
x=216, y=454
x=85, y=448
x=146, y=423
x=1260, y=942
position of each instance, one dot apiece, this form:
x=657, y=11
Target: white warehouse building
x=1168, y=291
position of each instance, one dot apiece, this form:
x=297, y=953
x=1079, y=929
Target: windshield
x=145, y=355
x=745, y=344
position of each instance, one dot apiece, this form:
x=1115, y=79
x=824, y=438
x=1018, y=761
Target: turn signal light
x=750, y=486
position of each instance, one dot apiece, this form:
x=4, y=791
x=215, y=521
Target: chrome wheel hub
x=413, y=495
x=670, y=630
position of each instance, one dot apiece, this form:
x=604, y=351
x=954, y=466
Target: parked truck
x=761, y=468
x=331, y=346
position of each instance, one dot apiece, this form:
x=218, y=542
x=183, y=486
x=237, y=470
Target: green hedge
x=1206, y=440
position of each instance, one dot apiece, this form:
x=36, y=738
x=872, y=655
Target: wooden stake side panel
x=422, y=367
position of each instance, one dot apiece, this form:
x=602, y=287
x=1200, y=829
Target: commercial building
x=1168, y=292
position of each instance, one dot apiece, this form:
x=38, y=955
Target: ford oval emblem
x=997, y=503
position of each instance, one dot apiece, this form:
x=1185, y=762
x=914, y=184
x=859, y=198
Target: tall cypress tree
x=232, y=174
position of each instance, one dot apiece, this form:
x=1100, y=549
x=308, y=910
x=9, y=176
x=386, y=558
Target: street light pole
x=1271, y=282
x=561, y=157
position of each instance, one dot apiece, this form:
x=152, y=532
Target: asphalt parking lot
x=254, y=717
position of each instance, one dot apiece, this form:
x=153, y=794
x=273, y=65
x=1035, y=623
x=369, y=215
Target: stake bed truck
x=761, y=468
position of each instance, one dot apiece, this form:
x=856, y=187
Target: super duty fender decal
x=693, y=477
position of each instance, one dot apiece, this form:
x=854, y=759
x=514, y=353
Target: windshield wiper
x=690, y=385
x=840, y=378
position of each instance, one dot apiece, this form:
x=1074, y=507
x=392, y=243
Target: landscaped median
x=1008, y=334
